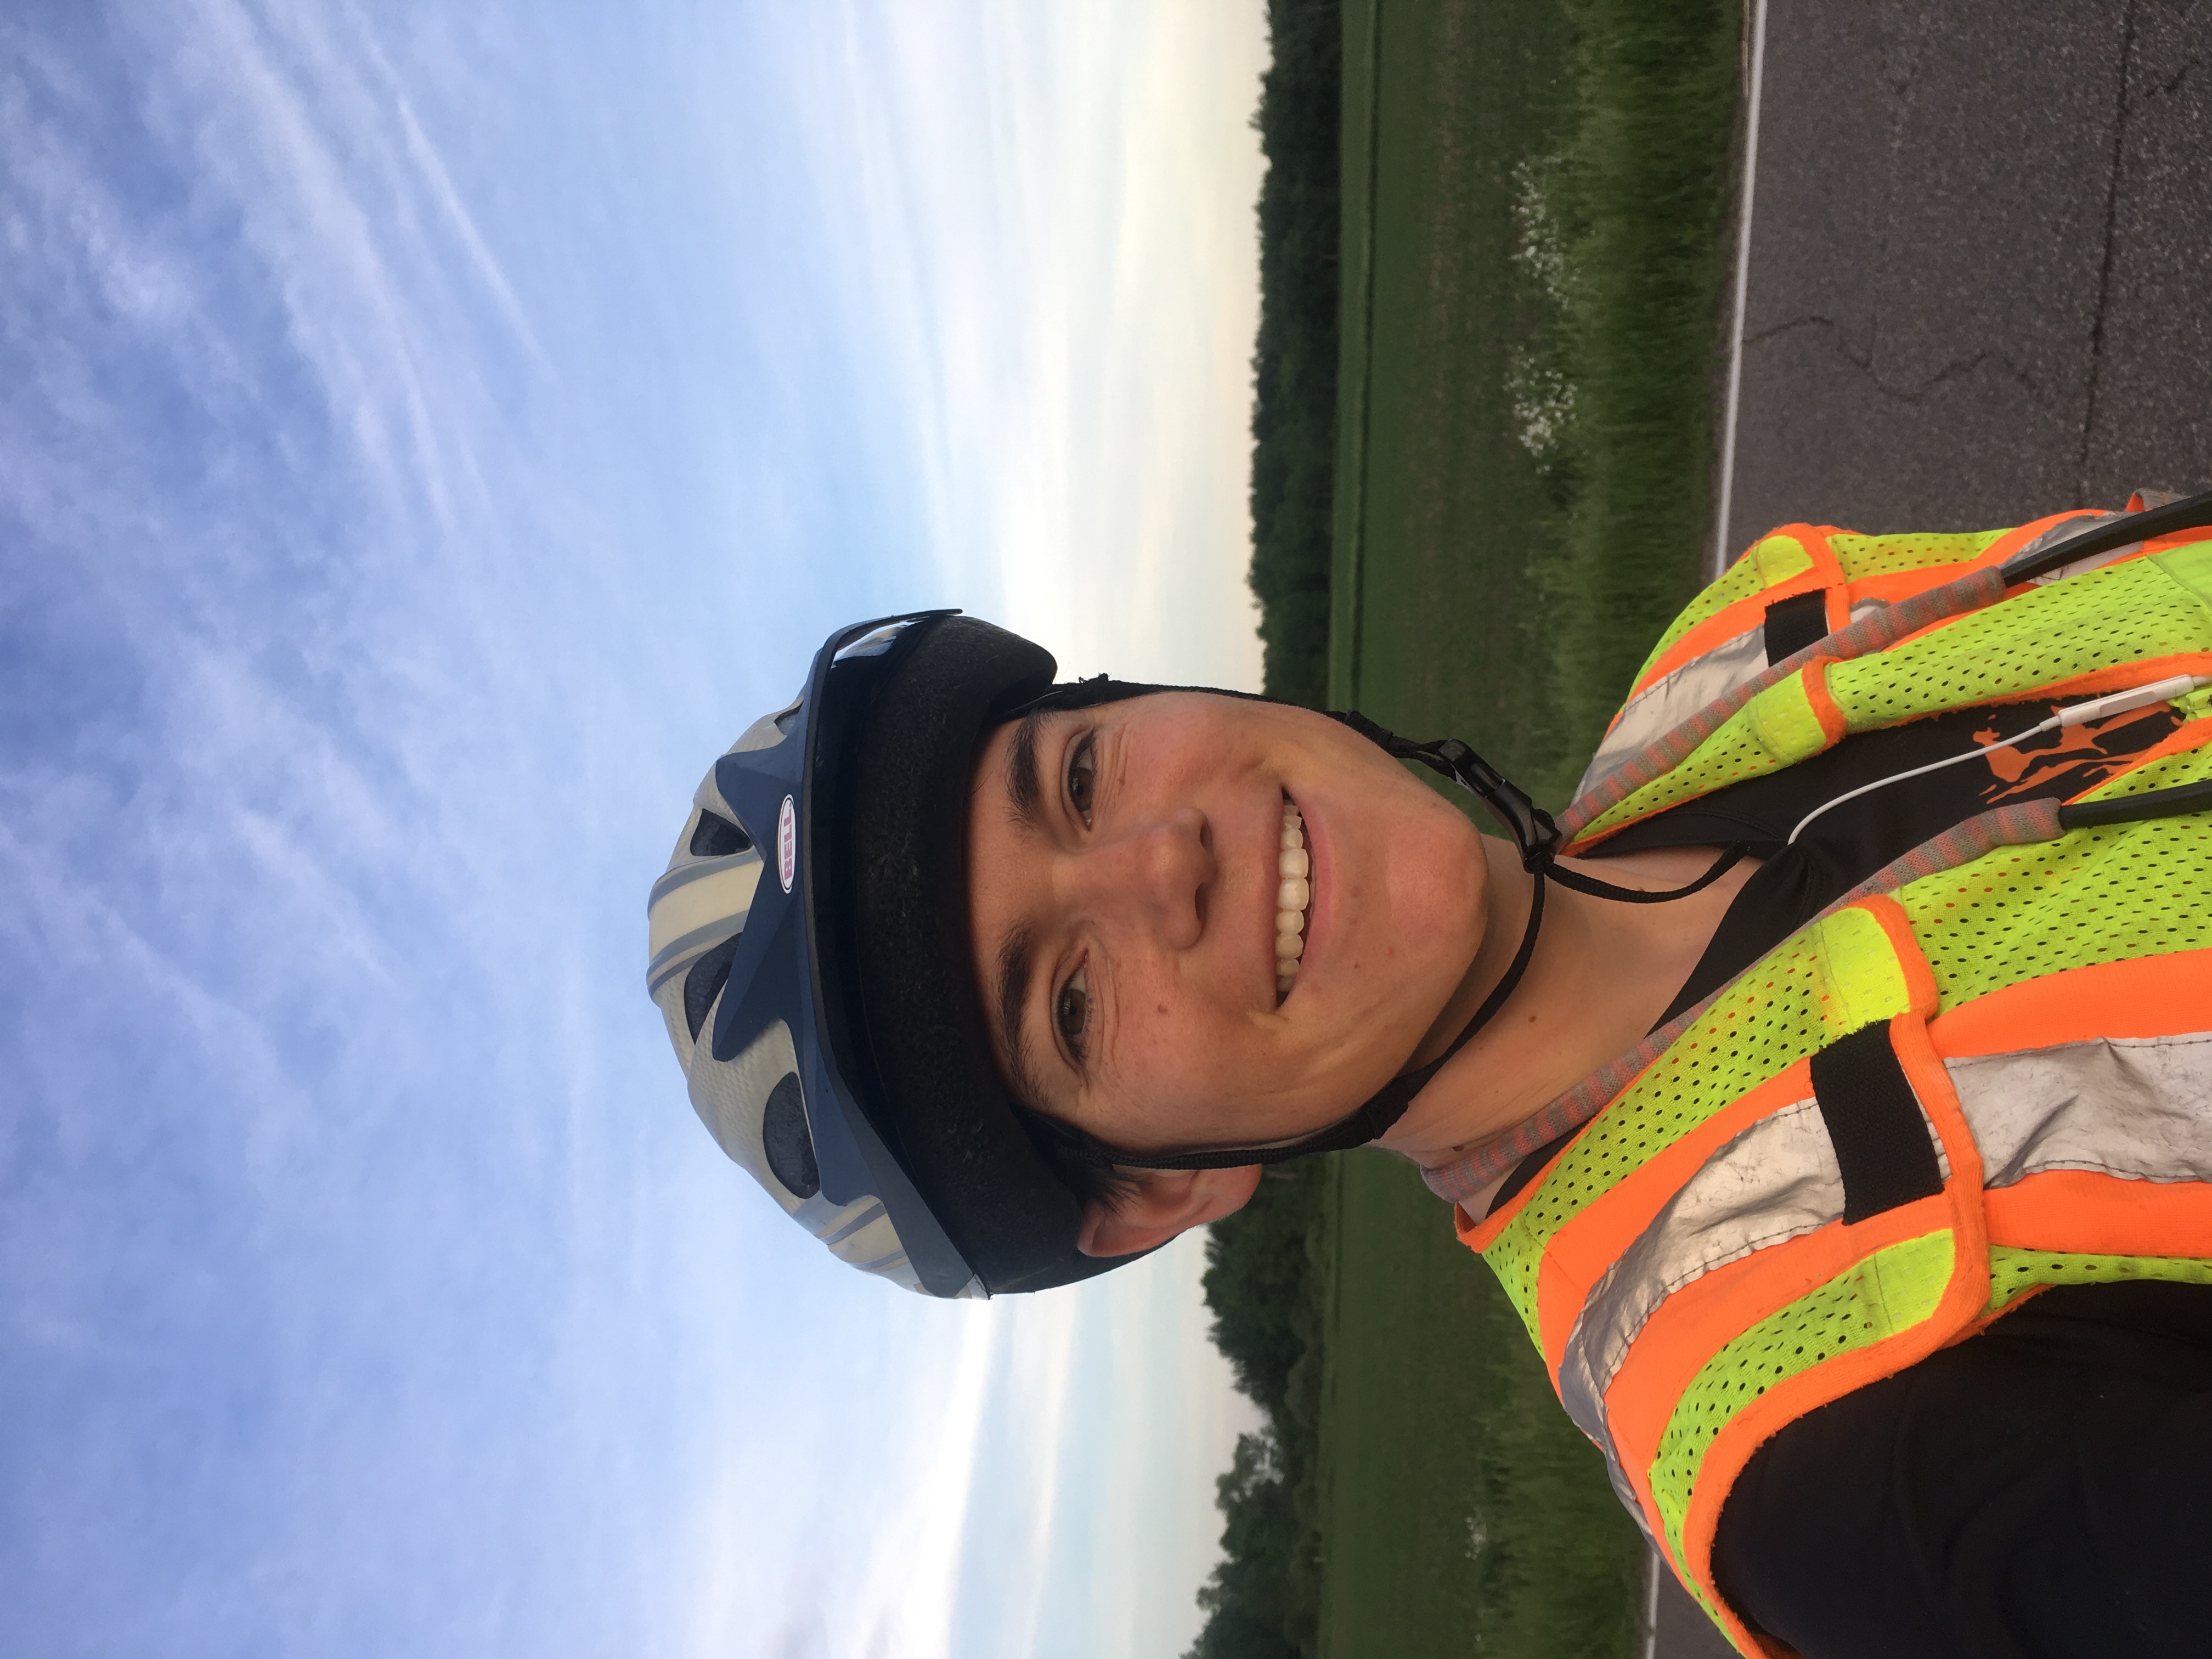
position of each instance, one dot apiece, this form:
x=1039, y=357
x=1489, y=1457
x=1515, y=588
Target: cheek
x=1181, y=1064
x=1416, y=895
x=1175, y=1043
x=1191, y=1070
x=1441, y=882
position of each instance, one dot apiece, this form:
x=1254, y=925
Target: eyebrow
x=1016, y=954
x=1023, y=791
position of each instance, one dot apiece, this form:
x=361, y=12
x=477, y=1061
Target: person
x=1830, y=1088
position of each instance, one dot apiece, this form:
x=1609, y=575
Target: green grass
x=1461, y=1512
x=1642, y=203
x=1534, y=197
x=1446, y=522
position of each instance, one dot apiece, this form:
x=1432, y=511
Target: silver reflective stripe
x=1861, y=609
x=2137, y=1108
x=1668, y=701
x=1624, y=1492
x=1776, y=1181
x=2080, y=524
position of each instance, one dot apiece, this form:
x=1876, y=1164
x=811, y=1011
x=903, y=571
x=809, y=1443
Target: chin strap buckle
x=1538, y=838
x=1529, y=824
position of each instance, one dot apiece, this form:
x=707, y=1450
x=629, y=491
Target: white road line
x=1720, y=557
x=1651, y=1571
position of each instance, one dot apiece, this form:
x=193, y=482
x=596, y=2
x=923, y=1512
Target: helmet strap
x=1370, y=1122
x=1538, y=838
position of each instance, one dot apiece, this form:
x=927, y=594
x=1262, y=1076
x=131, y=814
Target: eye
x=1082, y=778
x=1071, y=1012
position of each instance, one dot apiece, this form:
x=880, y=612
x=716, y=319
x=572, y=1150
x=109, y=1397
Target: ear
x=1166, y=1202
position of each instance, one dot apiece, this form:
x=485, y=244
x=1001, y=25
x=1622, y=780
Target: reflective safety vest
x=1985, y=1071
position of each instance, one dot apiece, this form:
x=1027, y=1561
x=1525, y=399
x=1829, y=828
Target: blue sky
x=427, y=434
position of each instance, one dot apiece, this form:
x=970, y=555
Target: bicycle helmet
x=809, y=953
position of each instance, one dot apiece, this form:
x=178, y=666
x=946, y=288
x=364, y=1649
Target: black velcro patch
x=1794, y=624
x=1874, y=1123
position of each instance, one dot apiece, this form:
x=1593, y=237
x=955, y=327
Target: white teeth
x=1292, y=868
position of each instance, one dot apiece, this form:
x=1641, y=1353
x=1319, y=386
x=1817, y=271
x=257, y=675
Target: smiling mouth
x=1293, y=900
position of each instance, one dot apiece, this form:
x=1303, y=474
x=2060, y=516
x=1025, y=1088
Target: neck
x=1603, y=973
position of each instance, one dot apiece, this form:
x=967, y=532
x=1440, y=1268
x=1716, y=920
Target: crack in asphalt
x=1916, y=392
x=2188, y=20
x=2104, y=265
x=1912, y=45
x=1767, y=334
x=1919, y=289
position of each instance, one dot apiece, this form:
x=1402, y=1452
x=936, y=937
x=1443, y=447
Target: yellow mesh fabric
x=1771, y=560
x=1766, y=1021
x=1781, y=717
x=1892, y=1290
x=2014, y=1272
x=2125, y=613
x=2132, y=612
x=2016, y=913
x=1862, y=556
x=2187, y=767
x=2192, y=567
x=1774, y=729
x=2095, y=895
x=1859, y=977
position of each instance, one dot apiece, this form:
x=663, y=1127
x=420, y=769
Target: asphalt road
x=1683, y=1631
x=1980, y=284
x=1981, y=262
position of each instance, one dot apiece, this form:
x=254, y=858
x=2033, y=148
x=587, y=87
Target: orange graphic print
x=2073, y=758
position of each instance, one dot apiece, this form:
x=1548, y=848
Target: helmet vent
x=705, y=980
x=717, y=837
x=785, y=1139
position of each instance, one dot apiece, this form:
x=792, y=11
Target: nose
x=1154, y=876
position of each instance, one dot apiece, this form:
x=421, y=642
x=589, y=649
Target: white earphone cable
x=2117, y=703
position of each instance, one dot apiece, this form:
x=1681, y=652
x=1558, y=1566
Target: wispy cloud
x=425, y=439
x=292, y=941
x=1052, y=216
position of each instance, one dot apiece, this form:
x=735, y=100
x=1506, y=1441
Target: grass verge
x=1492, y=260
x=1462, y=1513
x=1534, y=199
x=1641, y=205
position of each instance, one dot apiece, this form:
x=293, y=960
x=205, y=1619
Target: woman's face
x=1125, y=870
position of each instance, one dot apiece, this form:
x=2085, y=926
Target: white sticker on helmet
x=787, y=844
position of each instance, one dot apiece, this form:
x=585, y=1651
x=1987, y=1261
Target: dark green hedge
x=1294, y=363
